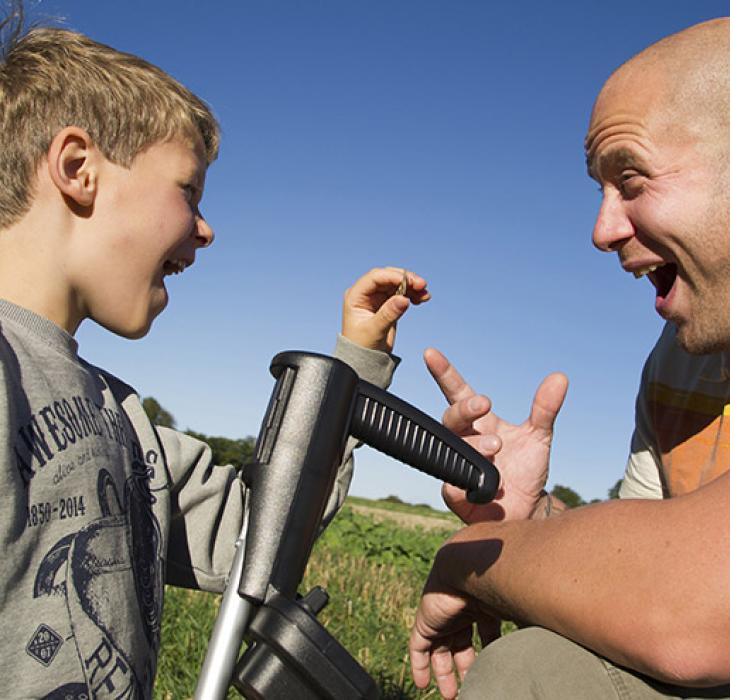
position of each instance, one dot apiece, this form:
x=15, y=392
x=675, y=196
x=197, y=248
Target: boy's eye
x=191, y=193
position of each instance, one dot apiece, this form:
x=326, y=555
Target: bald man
x=630, y=598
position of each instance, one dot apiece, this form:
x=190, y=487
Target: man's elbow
x=698, y=659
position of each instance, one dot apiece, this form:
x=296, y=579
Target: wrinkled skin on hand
x=520, y=452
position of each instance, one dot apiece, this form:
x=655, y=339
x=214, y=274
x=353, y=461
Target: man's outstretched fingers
x=548, y=401
x=460, y=416
x=450, y=382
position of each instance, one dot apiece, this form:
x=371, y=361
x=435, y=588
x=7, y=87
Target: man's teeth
x=645, y=270
x=176, y=266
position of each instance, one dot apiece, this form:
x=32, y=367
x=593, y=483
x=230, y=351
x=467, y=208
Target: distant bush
x=567, y=496
x=391, y=499
x=228, y=451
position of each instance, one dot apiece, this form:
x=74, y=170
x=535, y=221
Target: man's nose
x=613, y=226
x=204, y=235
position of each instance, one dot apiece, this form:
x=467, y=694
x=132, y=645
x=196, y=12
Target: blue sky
x=445, y=137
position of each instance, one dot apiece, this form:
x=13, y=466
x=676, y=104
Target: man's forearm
x=639, y=582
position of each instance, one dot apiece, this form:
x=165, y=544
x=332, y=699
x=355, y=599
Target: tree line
x=225, y=450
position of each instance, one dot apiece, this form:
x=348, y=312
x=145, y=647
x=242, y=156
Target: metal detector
x=316, y=404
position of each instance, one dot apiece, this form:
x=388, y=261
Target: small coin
x=403, y=286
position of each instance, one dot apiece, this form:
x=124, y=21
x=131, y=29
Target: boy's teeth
x=645, y=270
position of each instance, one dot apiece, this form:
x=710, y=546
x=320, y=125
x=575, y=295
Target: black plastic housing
x=293, y=656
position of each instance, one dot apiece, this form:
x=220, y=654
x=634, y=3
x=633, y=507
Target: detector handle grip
x=407, y=434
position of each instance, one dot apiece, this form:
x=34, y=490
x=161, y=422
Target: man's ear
x=73, y=162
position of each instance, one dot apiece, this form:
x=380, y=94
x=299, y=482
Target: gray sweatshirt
x=101, y=509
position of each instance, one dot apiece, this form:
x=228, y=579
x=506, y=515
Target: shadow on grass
x=391, y=689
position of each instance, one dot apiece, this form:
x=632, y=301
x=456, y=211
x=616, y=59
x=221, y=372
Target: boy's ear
x=73, y=165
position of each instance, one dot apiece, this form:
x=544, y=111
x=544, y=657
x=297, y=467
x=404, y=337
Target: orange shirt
x=682, y=421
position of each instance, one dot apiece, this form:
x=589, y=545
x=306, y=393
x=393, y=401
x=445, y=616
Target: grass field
x=373, y=570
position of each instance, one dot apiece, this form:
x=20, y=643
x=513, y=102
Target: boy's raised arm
x=371, y=309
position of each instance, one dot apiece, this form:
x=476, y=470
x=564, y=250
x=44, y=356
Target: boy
x=103, y=160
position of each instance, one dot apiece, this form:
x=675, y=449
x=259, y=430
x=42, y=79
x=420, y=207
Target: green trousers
x=536, y=664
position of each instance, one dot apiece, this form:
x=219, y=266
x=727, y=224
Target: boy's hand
x=372, y=308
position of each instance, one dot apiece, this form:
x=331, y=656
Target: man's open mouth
x=663, y=278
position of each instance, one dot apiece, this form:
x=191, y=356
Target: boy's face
x=146, y=225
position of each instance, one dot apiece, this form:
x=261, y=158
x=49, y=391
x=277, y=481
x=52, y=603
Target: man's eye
x=631, y=184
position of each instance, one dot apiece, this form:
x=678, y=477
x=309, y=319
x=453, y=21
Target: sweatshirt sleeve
x=206, y=513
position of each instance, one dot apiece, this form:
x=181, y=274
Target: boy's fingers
x=450, y=382
x=389, y=313
x=388, y=279
x=419, y=296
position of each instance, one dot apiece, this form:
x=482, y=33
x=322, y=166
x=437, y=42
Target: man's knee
x=536, y=663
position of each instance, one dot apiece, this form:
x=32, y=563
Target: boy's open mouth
x=174, y=267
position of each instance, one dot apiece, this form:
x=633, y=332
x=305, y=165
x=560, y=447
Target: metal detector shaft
x=230, y=626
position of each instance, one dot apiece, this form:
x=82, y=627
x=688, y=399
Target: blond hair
x=52, y=78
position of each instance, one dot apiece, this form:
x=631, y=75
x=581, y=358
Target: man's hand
x=520, y=452
x=372, y=306
x=441, y=637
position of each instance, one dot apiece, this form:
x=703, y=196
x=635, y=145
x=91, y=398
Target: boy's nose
x=204, y=233
x=613, y=227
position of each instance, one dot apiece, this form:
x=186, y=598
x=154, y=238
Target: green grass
x=394, y=505
x=373, y=572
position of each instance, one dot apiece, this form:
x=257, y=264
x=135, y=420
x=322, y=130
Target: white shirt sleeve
x=642, y=476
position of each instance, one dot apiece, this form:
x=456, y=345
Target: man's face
x=146, y=225
x=666, y=204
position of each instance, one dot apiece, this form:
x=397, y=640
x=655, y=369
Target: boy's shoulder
x=34, y=350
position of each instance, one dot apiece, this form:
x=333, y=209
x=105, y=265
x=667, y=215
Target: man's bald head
x=689, y=74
